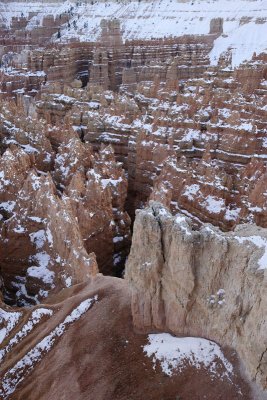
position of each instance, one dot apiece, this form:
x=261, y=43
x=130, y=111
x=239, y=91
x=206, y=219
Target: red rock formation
x=93, y=188
x=88, y=133
x=41, y=248
x=180, y=119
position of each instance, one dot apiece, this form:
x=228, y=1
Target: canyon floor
x=133, y=200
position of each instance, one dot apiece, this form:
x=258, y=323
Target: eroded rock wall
x=201, y=282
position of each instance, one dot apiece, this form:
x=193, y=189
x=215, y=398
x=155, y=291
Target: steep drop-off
x=201, y=282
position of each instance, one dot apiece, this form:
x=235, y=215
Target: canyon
x=133, y=199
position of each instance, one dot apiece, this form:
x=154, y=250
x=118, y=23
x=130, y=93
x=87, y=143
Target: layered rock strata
x=203, y=133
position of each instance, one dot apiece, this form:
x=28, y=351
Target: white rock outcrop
x=201, y=283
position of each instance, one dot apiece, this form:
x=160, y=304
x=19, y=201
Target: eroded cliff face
x=201, y=282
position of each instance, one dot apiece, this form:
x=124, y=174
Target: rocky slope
x=107, y=359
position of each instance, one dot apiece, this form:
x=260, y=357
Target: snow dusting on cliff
x=244, y=21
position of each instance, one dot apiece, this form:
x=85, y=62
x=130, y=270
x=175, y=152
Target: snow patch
x=25, y=365
x=41, y=271
x=213, y=204
x=35, y=318
x=191, y=191
x=174, y=354
x=10, y=320
x=259, y=242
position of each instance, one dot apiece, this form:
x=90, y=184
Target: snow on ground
x=41, y=270
x=182, y=222
x=243, y=41
x=260, y=243
x=25, y=365
x=110, y=182
x=140, y=20
x=42, y=259
x=24, y=8
x=8, y=320
x=232, y=214
x=175, y=353
x=245, y=22
x=7, y=205
x=191, y=191
x=39, y=238
x=35, y=318
x=213, y=204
